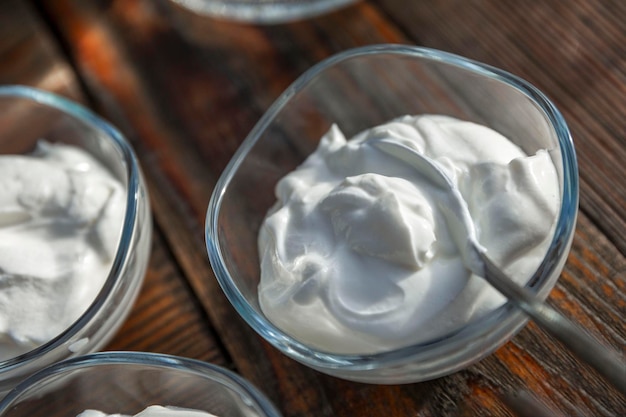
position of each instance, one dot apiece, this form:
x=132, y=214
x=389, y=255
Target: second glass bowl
x=28, y=115
x=357, y=90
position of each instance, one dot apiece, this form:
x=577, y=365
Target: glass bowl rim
x=278, y=11
x=163, y=361
x=501, y=323
x=82, y=114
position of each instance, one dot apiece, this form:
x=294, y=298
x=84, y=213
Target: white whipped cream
x=152, y=411
x=357, y=256
x=61, y=215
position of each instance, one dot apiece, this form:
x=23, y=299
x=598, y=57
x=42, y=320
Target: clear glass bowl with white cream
x=409, y=94
x=135, y=384
x=75, y=230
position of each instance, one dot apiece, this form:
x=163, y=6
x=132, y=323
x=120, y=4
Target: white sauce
x=61, y=215
x=152, y=411
x=357, y=256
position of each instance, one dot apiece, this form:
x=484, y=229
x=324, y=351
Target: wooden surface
x=187, y=89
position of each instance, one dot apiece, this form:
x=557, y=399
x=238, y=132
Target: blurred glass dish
x=28, y=115
x=359, y=89
x=128, y=382
x=263, y=11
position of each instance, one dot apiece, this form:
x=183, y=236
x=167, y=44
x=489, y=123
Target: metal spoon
x=604, y=360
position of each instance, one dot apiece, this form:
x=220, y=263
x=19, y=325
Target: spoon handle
x=605, y=361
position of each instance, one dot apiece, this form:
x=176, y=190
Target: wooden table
x=187, y=89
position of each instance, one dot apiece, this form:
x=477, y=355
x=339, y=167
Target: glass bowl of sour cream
x=344, y=257
x=75, y=230
x=128, y=383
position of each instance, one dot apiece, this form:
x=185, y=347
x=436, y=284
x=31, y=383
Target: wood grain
x=29, y=55
x=167, y=317
x=186, y=90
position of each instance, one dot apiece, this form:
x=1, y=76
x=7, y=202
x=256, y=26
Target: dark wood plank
x=29, y=55
x=186, y=90
x=167, y=317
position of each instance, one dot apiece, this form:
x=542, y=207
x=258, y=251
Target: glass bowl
x=263, y=11
x=128, y=382
x=27, y=115
x=359, y=89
